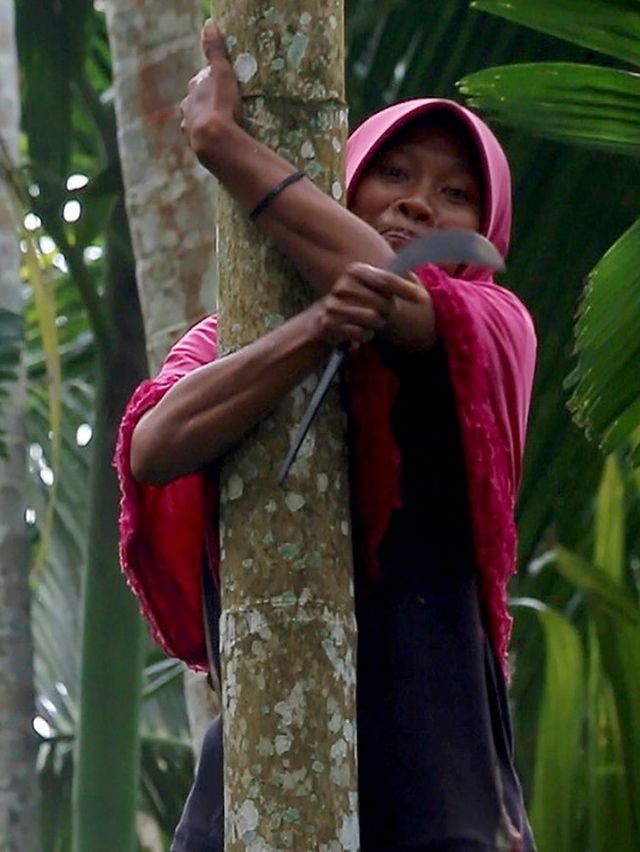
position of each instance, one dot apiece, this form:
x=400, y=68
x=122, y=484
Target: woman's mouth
x=397, y=238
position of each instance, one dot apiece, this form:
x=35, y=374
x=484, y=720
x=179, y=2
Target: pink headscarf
x=165, y=532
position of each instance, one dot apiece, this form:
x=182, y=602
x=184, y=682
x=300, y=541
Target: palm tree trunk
x=170, y=197
x=19, y=824
x=106, y=773
x=288, y=627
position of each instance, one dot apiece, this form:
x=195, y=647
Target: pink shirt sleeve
x=167, y=531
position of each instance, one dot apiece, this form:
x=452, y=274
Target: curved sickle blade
x=446, y=246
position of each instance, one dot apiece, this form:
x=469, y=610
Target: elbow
x=148, y=458
x=160, y=455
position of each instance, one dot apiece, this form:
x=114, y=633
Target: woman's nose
x=417, y=206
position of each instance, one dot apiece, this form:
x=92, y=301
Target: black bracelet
x=273, y=193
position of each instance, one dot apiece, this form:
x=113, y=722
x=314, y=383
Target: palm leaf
x=607, y=595
x=606, y=396
x=583, y=104
x=608, y=26
x=555, y=790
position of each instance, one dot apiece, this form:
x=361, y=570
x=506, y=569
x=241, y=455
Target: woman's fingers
x=385, y=283
x=213, y=43
x=213, y=97
x=362, y=302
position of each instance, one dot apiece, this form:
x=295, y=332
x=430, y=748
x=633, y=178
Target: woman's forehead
x=445, y=128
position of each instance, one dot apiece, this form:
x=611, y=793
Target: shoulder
x=196, y=347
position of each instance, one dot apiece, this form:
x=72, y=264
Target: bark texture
x=19, y=824
x=288, y=627
x=170, y=197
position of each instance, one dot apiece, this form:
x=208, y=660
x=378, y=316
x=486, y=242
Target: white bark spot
x=291, y=708
x=278, y=64
x=274, y=320
x=247, y=817
x=336, y=190
x=305, y=19
x=283, y=743
x=308, y=151
x=309, y=384
x=308, y=446
x=297, y=51
x=245, y=66
x=336, y=144
x=322, y=482
x=350, y=833
x=294, y=501
x=235, y=487
x=339, y=750
x=265, y=747
x=289, y=550
x=271, y=507
x=344, y=527
x=333, y=22
x=335, y=722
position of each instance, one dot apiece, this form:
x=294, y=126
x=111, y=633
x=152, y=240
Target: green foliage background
x=575, y=682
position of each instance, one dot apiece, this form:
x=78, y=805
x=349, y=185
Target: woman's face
x=427, y=177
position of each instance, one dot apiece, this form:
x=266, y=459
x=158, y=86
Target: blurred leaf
x=43, y=294
x=620, y=649
x=52, y=41
x=584, y=104
x=609, y=550
x=608, y=26
x=610, y=790
x=553, y=809
x=606, y=396
x=606, y=595
x=609, y=793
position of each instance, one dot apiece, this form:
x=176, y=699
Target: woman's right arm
x=211, y=408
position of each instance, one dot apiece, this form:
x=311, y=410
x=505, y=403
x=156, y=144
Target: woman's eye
x=392, y=171
x=458, y=193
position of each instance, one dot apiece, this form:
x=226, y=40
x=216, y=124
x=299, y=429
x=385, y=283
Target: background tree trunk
x=288, y=627
x=19, y=825
x=107, y=765
x=170, y=197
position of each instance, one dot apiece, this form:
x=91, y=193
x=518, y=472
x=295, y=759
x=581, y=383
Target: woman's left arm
x=319, y=235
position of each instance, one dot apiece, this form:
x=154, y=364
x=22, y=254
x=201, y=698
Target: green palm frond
x=608, y=26
x=606, y=380
x=583, y=104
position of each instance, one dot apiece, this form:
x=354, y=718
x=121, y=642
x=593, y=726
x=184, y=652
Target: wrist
x=214, y=139
x=411, y=325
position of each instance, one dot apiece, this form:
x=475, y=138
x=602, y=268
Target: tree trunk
x=170, y=197
x=19, y=824
x=288, y=627
x=107, y=767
